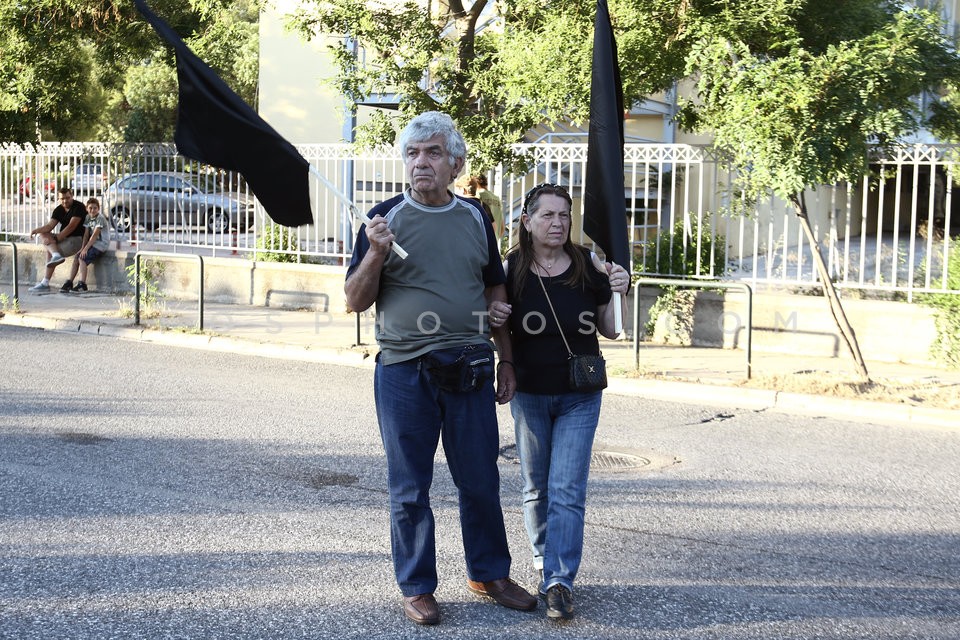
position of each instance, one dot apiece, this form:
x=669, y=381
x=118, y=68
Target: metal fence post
x=167, y=256
x=692, y=284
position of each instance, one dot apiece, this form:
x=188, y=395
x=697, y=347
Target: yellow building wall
x=294, y=97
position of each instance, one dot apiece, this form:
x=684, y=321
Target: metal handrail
x=16, y=284
x=692, y=284
x=170, y=256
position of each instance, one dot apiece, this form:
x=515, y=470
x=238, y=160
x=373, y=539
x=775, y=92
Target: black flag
x=215, y=126
x=604, y=209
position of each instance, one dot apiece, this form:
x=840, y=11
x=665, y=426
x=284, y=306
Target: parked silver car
x=170, y=199
x=88, y=179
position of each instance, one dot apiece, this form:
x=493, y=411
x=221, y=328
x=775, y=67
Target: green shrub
x=676, y=254
x=151, y=296
x=277, y=244
x=946, y=347
x=9, y=304
x=676, y=302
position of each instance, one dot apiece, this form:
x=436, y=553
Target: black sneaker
x=559, y=602
x=81, y=286
x=67, y=287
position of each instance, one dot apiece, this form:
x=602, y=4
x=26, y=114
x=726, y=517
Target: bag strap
x=547, y=296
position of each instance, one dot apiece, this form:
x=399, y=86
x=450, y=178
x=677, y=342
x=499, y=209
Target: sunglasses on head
x=546, y=187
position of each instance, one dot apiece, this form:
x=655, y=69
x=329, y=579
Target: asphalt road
x=149, y=491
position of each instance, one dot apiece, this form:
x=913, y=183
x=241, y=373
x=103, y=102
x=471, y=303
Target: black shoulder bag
x=587, y=373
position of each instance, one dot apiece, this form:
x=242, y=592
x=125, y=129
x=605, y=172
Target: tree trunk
x=836, y=309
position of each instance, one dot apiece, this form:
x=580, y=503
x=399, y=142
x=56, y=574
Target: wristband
x=505, y=362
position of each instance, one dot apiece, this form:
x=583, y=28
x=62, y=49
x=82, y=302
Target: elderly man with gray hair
x=434, y=375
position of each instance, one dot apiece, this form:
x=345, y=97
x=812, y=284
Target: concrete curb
x=673, y=391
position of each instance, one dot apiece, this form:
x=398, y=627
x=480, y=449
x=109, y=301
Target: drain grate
x=599, y=460
x=615, y=461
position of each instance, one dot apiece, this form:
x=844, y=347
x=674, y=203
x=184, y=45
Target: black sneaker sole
x=559, y=615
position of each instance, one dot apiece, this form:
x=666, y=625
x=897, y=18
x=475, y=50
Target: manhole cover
x=615, y=461
x=599, y=460
x=77, y=437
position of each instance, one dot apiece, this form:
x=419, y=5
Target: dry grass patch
x=926, y=392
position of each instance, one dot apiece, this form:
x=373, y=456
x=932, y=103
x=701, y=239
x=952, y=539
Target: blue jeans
x=554, y=440
x=414, y=415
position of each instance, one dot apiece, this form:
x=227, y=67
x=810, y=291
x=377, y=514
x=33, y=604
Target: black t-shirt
x=62, y=215
x=539, y=354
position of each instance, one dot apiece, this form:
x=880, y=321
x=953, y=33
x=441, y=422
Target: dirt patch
x=926, y=392
x=930, y=391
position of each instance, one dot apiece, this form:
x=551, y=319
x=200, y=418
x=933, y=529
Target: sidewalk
x=682, y=374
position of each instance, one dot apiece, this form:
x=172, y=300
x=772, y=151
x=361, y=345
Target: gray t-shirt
x=100, y=222
x=434, y=298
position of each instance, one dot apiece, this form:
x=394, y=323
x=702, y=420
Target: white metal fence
x=890, y=232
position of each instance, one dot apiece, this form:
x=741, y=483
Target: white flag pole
x=617, y=313
x=615, y=300
x=357, y=216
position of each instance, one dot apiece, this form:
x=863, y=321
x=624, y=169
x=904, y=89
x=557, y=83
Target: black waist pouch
x=460, y=369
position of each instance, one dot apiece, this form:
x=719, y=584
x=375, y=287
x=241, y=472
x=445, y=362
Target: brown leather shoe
x=506, y=592
x=422, y=609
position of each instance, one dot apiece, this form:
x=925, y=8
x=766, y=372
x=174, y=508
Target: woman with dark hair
x=558, y=295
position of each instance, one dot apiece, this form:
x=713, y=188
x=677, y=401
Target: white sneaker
x=55, y=259
x=39, y=287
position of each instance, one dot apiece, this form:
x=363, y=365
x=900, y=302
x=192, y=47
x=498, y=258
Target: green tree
x=64, y=64
x=150, y=93
x=42, y=90
x=498, y=69
x=799, y=103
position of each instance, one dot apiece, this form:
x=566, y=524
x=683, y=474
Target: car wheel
x=218, y=221
x=121, y=219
